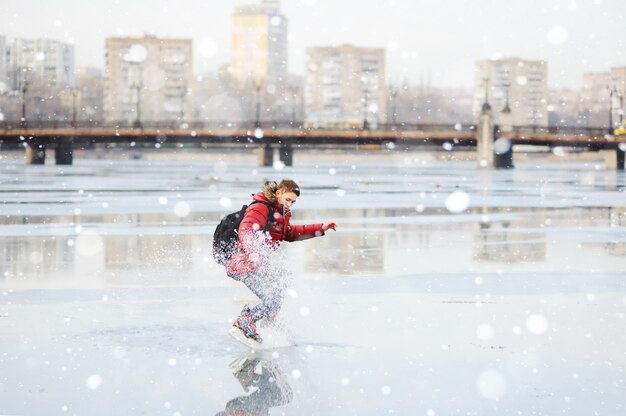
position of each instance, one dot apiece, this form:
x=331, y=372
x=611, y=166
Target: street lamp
x=257, y=86
x=183, y=92
x=612, y=93
x=486, y=82
x=616, y=100
x=137, y=86
x=24, y=90
x=294, y=91
x=74, y=93
x=394, y=96
x=621, y=110
x=365, y=103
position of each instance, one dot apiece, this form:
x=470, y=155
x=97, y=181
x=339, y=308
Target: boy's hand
x=329, y=226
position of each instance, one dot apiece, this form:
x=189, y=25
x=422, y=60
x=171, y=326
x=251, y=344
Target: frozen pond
x=446, y=290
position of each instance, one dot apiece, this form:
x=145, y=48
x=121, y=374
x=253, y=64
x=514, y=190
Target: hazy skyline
x=436, y=40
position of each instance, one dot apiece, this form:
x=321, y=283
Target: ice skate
x=244, y=330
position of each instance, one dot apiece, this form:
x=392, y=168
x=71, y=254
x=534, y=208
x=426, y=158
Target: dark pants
x=270, y=290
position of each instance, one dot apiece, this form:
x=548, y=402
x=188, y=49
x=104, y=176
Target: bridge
x=284, y=138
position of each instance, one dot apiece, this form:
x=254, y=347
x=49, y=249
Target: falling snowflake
x=457, y=201
x=491, y=384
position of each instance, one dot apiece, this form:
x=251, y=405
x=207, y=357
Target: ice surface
x=110, y=302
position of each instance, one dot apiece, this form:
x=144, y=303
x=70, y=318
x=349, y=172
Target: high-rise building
x=3, y=65
x=523, y=83
x=259, y=45
x=42, y=63
x=594, y=98
x=148, y=80
x=345, y=87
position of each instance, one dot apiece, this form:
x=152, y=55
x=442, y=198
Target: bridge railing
x=279, y=124
x=7, y=125
x=519, y=131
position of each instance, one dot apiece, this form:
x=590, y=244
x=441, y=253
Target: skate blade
x=239, y=336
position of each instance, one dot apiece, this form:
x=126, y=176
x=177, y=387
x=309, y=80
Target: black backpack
x=227, y=233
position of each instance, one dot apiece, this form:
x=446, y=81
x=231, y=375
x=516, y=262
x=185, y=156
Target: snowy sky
x=425, y=39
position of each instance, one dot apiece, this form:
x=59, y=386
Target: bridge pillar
x=64, y=153
x=485, y=138
x=266, y=155
x=286, y=155
x=504, y=160
x=619, y=152
x=35, y=154
x=502, y=151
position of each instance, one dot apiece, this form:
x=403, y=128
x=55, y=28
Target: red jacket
x=279, y=230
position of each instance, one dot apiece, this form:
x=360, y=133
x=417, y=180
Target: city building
x=345, y=87
x=43, y=64
x=3, y=65
x=594, y=99
x=521, y=83
x=259, y=45
x=148, y=80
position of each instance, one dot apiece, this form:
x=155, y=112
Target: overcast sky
x=425, y=39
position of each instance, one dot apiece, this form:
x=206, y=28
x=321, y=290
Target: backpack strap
x=270, y=213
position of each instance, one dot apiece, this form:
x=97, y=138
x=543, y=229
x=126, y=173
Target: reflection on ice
x=512, y=240
x=90, y=221
x=371, y=241
x=264, y=383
